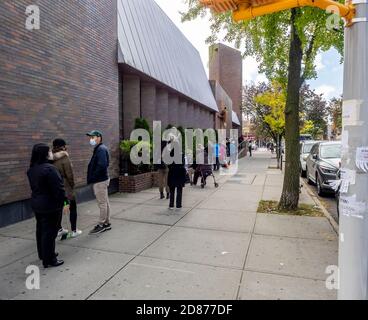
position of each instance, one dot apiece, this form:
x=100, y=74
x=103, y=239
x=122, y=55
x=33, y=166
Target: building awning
x=236, y=119
x=151, y=43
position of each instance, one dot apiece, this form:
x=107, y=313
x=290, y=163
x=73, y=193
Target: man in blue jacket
x=98, y=176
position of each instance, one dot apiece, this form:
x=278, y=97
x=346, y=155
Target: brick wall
x=59, y=81
x=138, y=183
x=226, y=68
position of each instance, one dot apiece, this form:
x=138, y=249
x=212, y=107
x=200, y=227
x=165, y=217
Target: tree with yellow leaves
x=275, y=100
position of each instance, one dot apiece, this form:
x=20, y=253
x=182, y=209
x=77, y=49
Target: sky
x=329, y=69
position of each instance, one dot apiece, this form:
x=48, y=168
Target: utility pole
x=353, y=238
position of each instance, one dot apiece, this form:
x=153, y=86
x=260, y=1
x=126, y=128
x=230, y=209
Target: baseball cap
x=94, y=133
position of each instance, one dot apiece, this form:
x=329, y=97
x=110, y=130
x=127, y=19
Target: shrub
x=141, y=123
x=127, y=166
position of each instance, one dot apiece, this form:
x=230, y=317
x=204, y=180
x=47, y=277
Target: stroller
x=204, y=171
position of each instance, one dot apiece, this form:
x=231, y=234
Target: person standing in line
x=176, y=181
x=63, y=164
x=223, y=160
x=216, y=153
x=191, y=166
x=228, y=151
x=163, y=172
x=250, y=148
x=47, y=201
x=98, y=177
x=233, y=152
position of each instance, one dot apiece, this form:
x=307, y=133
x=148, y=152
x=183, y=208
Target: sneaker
x=98, y=229
x=171, y=208
x=62, y=232
x=76, y=233
x=178, y=208
x=107, y=226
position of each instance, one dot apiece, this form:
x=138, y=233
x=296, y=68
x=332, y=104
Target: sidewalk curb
x=332, y=221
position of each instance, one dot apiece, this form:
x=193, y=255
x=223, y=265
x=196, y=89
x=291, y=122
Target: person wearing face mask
x=98, y=177
x=47, y=201
x=63, y=164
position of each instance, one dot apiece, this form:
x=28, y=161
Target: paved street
x=216, y=247
x=328, y=201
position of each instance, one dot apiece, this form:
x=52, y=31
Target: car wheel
x=338, y=204
x=303, y=173
x=319, y=188
x=308, y=178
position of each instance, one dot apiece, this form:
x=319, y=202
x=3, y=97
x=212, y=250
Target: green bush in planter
x=130, y=168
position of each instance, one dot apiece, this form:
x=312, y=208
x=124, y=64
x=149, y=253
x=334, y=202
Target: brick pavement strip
x=217, y=247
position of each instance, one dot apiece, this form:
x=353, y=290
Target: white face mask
x=92, y=142
x=50, y=156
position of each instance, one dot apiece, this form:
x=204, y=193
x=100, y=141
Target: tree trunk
x=290, y=193
x=279, y=154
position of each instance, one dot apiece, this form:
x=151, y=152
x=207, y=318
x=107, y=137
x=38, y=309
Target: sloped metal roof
x=236, y=118
x=151, y=43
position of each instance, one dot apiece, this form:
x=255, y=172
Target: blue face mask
x=92, y=142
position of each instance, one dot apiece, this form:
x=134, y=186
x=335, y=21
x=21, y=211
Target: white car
x=305, y=148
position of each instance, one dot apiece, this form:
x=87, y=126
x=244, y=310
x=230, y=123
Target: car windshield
x=304, y=137
x=307, y=147
x=331, y=151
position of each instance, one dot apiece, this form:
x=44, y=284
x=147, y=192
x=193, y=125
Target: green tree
x=308, y=128
x=313, y=108
x=275, y=99
x=335, y=113
x=285, y=44
x=257, y=112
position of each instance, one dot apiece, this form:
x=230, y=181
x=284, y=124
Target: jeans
x=46, y=233
x=179, y=196
x=102, y=196
x=216, y=166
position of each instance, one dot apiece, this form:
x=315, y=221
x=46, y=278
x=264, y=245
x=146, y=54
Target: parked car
x=305, y=148
x=338, y=186
x=306, y=137
x=323, y=165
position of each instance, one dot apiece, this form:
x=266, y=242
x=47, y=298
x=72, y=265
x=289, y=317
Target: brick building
x=59, y=81
x=226, y=68
x=91, y=65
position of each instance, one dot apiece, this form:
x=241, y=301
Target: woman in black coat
x=176, y=182
x=47, y=202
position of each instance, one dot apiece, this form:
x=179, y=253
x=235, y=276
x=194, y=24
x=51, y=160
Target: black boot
x=53, y=264
x=162, y=195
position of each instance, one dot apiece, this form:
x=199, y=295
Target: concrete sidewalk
x=216, y=247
